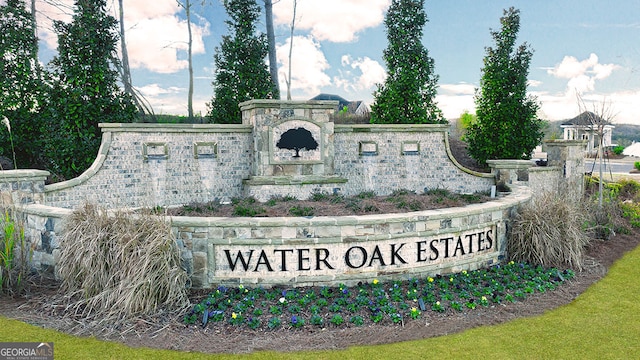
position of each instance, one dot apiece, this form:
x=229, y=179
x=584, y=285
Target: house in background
x=585, y=127
x=352, y=107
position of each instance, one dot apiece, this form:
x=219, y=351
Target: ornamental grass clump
x=117, y=266
x=549, y=231
x=15, y=255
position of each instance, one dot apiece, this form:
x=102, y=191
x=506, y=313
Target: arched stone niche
x=293, y=148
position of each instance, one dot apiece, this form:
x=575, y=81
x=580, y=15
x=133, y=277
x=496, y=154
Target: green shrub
x=319, y=196
x=301, y=211
x=631, y=211
x=273, y=200
x=366, y=195
x=618, y=150
x=246, y=207
x=637, y=165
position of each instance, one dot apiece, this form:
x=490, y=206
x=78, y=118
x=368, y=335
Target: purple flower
x=294, y=319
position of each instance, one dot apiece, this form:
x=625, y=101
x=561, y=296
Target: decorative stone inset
x=153, y=150
x=410, y=148
x=296, y=141
x=367, y=148
x=293, y=148
x=205, y=150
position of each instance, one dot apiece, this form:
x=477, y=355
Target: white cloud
x=534, y=83
x=173, y=99
x=454, y=105
x=582, y=77
x=308, y=66
x=155, y=34
x=332, y=20
x=46, y=13
x=457, y=89
x=623, y=105
x=570, y=67
x=583, y=74
x=156, y=89
x=369, y=73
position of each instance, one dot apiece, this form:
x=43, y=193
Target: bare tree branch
x=271, y=41
x=600, y=116
x=293, y=25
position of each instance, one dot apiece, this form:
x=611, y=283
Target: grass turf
x=602, y=323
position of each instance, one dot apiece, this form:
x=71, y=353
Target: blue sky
x=589, y=47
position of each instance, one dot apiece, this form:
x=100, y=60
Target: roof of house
x=351, y=106
x=587, y=118
x=342, y=102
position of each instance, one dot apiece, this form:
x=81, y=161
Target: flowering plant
x=376, y=302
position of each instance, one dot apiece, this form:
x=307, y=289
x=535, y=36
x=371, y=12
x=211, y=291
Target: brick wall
x=152, y=164
x=383, y=158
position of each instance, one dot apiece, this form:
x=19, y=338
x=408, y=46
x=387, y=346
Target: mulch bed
x=166, y=331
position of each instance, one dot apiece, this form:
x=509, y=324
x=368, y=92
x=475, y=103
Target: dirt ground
x=166, y=331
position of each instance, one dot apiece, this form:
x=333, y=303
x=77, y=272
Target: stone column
x=510, y=172
x=293, y=148
x=568, y=155
x=22, y=187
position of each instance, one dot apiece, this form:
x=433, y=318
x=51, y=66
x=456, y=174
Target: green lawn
x=602, y=323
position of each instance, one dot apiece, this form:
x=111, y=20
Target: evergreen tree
x=86, y=90
x=507, y=126
x=22, y=84
x=408, y=94
x=241, y=71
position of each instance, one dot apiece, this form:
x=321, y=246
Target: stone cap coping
x=344, y=128
x=310, y=104
x=560, y=142
x=46, y=211
x=175, y=128
x=510, y=164
x=544, y=168
x=23, y=175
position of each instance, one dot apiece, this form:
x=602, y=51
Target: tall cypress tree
x=241, y=71
x=86, y=90
x=507, y=126
x=408, y=94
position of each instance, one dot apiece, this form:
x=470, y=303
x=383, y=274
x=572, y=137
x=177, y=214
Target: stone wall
x=161, y=164
x=332, y=250
x=383, y=158
x=175, y=164
x=152, y=164
x=19, y=187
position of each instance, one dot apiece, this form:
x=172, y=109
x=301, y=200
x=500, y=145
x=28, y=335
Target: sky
x=586, y=47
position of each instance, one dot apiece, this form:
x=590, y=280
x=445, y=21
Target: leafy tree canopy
x=507, y=126
x=408, y=94
x=241, y=71
x=21, y=82
x=85, y=91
